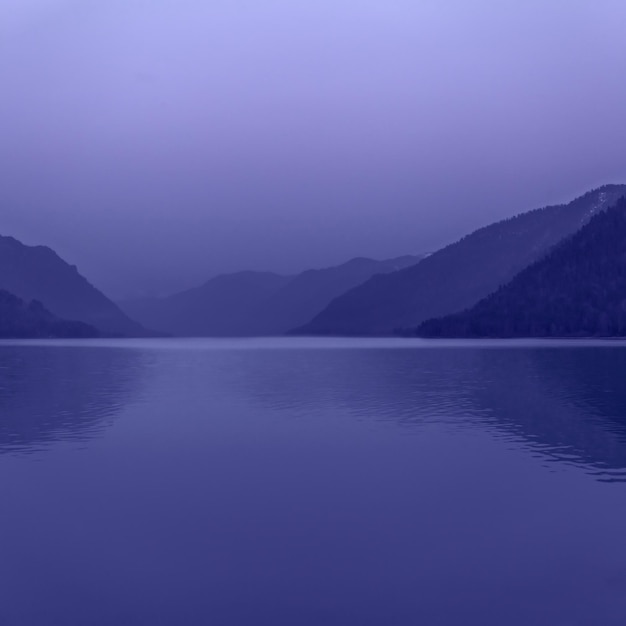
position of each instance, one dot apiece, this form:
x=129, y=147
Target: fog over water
x=157, y=143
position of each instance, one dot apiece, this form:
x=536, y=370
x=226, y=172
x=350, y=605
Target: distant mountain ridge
x=38, y=273
x=227, y=305
x=577, y=290
x=459, y=275
x=255, y=303
x=19, y=319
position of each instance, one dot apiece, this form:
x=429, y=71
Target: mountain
x=577, y=290
x=458, y=276
x=38, y=273
x=19, y=319
x=227, y=305
x=255, y=303
x=310, y=292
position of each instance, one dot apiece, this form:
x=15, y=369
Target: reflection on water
x=59, y=393
x=254, y=483
x=567, y=403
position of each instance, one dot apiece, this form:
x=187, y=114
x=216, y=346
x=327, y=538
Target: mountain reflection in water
x=53, y=393
x=292, y=481
x=565, y=402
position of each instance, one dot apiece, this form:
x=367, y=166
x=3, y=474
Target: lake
x=306, y=482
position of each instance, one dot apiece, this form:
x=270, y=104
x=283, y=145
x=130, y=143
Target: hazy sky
x=155, y=142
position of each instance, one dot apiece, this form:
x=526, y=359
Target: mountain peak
x=39, y=273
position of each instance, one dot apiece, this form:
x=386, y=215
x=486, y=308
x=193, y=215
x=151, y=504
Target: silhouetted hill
x=578, y=289
x=227, y=305
x=255, y=303
x=459, y=275
x=19, y=319
x=38, y=273
x=309, y=292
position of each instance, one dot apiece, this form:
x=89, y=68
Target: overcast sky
x=158, y=142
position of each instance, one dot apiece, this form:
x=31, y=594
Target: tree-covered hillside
x=19, y=319
x=578, y=289
x=459, y=275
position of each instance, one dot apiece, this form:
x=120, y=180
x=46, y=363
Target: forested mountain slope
x=577, y=290
x=19, y=319
x=459, y=275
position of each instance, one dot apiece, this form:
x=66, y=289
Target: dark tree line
x=578, y=289
x=19, y=319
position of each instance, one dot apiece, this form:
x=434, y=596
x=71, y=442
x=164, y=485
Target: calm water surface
x=312, y=482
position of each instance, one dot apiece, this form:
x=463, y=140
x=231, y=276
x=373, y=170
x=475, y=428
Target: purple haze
x=157, y=143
